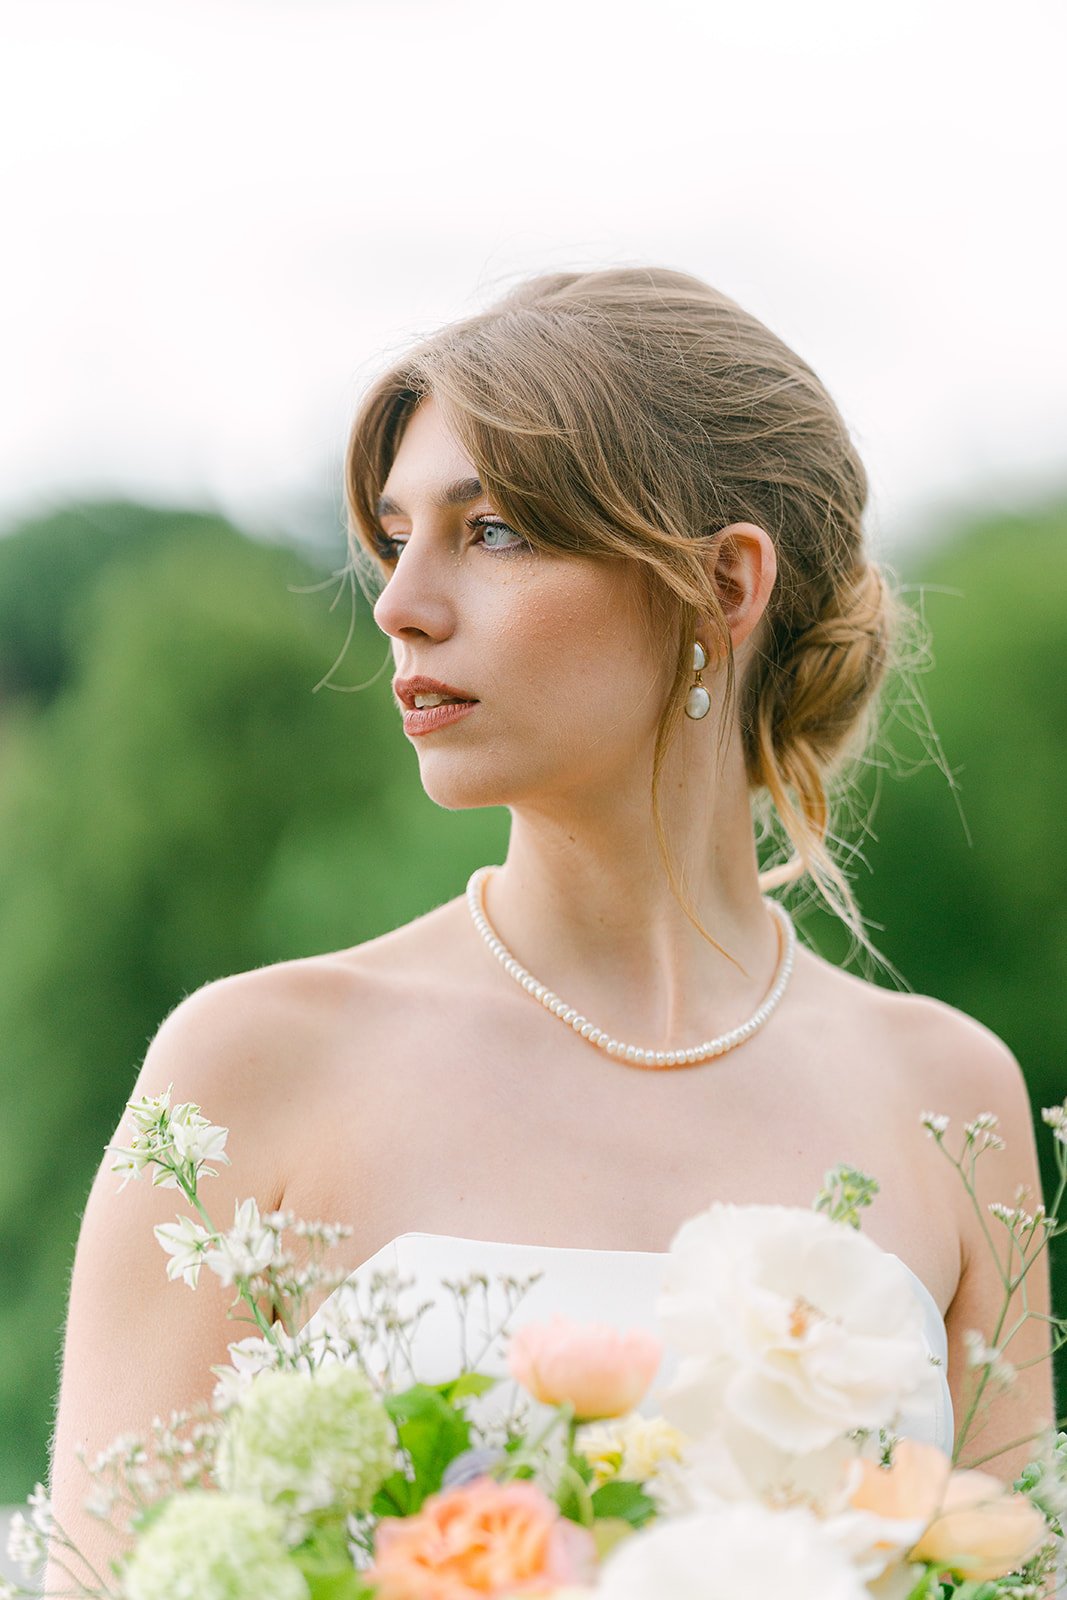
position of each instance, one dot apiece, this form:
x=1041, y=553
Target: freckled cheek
x=572, y=638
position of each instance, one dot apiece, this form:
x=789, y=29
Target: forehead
x=428, y=458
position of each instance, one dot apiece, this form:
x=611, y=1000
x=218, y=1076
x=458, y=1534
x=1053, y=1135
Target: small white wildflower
x=196, y=1139
x=934, y=1122
x=25, y=1546
x=40, y=1510
x=249, y=1247
x=249, y=1357
x=150, y=1110
x=151, y=1138
x=1056, y=1118
x=327, y=1234
x=980, y=1354
x=123, y=1449
x=101, y=1502
x=280, y=1220
x=983, y=1121
x=185, y=1242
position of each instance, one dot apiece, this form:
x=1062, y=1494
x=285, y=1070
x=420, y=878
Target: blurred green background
x=178, y=801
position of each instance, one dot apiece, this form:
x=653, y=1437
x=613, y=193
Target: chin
x=456, y=781
x=461, y=789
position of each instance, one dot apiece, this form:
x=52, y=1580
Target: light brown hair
x=634, y=412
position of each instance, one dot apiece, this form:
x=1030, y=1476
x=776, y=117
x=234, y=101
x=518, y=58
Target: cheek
x=580, y=637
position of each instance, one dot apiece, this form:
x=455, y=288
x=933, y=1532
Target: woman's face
x=554, y=648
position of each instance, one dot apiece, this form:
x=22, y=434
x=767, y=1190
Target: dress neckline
x=585, y=1250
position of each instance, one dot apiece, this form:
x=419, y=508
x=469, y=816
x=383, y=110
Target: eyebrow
x=459, y=493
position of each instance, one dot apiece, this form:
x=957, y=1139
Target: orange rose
x=598, y=1370
x=983, y=1529
x=484, y=1538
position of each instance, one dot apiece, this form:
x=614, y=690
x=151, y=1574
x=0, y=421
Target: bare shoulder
x=954, y=1055
x=964, y=1067
x=253, y=1047
x=265, y=1020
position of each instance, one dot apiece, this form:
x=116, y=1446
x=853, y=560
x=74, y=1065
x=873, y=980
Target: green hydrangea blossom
x=206, y=1546
x=308, y=1443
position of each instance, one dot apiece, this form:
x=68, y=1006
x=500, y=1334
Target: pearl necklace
x=630, y=1054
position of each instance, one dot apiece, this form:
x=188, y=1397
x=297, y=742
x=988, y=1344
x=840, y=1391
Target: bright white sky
x=223, y=215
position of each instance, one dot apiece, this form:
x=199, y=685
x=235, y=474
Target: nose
x=416, y=598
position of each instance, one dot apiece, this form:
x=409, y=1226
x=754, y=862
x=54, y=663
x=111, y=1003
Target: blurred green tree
x=967, y=893
x=176, y=803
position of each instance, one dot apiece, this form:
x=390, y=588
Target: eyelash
x=388, y=549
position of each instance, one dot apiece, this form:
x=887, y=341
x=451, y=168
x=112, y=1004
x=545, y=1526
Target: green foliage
x=432, y=1433
x=177, y=802
x=845, y=1193
x=326, y=1565
x=467, y=1386
x=625, y=1502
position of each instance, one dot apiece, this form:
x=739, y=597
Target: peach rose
x=890, y=1507
x=983, y=1529
x=596, y=1369
x=484, y=1538
x=913, y=1487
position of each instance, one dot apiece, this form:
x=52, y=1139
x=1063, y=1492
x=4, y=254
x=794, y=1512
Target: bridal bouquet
x=767, y=1462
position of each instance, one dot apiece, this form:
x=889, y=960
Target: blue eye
x=389, y=549
x=494, y=525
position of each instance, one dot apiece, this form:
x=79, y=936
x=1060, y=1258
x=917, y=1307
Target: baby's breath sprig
x=35, y=1536
x=471, y=1296
x=1028, y=1234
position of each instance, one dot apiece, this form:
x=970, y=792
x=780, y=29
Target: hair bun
x=832, y=668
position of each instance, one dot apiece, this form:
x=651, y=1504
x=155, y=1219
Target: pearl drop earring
x=698, y=700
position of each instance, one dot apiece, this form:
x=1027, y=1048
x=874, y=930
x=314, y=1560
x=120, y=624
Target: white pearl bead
x=697, y=702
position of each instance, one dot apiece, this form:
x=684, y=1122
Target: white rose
x=792, y=1326
x=734, y=1464
x=740, y=1550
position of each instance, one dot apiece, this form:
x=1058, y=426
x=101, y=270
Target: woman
x=622, y=522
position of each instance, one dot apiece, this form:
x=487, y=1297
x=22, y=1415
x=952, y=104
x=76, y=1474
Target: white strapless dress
x=618, y=1287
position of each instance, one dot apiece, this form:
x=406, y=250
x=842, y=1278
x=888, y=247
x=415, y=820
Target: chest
x=491, y=1120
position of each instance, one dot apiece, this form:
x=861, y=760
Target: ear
x=744, y=566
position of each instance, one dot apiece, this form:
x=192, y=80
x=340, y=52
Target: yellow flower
x=632, y=1447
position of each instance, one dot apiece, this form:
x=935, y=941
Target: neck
x=584, y=902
